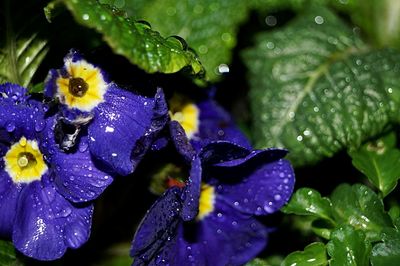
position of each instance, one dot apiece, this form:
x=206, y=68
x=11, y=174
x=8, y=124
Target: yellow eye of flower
x=206, y=202
x=186, y=113
x=24, y=162
x=84, y=88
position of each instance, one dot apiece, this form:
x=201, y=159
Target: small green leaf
x=22, y=47
x=316, y=88
x=257, y=262
x=388, y=251
x=360, y=207
x=7, y=253
x=307, y=201
x=378, y=160
x=136, y=41
x=349, y=247
x=313, y=255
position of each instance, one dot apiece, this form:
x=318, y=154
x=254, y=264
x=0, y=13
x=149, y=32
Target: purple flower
x=205, y=121
x=42, y=189
x=212, y=219
x=121, y=125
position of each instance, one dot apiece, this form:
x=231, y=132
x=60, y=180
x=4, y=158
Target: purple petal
x=21, y=120
x=13, y=93
x=225, y=237
x=119, y=123
x=257, y=189
x=255, y=157
x=157, y=226
x=77, y=177
x=50, y=85
x=47, y=224
x=216, y=124
x=222, y=151
x=191, y=192
x=9, y=194
x=181, y=142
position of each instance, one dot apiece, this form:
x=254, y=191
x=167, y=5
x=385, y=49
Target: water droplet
x=223, y=68
x=299, y=138
x=277, y=197
x=271, y=21
x=10, y=127
x=319, y=20
x=270, y=45
x=39, y=125
x=85, y=17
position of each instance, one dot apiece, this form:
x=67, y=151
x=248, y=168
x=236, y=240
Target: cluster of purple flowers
x=57, y=158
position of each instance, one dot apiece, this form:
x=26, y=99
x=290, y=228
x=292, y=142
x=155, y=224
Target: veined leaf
x=378, y=160
x=316, y=88
x=136, y=41
x=22, y=48
x=361, y=208
x=349, y=247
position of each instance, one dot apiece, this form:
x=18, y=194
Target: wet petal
x=47, y=224
x=222, y=151
x=217, y=124
x=191, y=192
x=181, y=142
x=119, y=123
x=9, y=194
x=157, y=226
x=258, y=188
x=13, y=93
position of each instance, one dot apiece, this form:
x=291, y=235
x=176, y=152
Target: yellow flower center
x=206, y=202
x=186, y=113
x=85, y=87
x=24, y=162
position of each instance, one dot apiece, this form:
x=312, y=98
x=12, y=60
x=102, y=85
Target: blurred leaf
x=379, y=19
x=22, y=48
x=316, y=88
x=322, y=228
x=378, y=160
x=313, y=255
x=360, y=207
x=117, y=255
x=257, y=262
x=394, y=213
x=7, y=254
x=348, y=247
x=307, y=201
x=136, y=41
x=387, y=252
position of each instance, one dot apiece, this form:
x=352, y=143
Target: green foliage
x=136, y=41
x=313, y=255
x=351, y=219
x=306, y=201
x=322, y=91
x=388, y=251
x=379, y=19
x=22, y=44
x=377, y=160
x=361, y=208
x=7, y=254
x=348, y=247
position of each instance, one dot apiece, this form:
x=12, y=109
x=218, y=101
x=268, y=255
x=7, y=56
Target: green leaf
x=349, y=247
x=210, y=27
x=136, y=41
x=307, y=201
x=313, y=255
x=22, y=47
x=361, y=208
x=379, y=19
x=316, y=88
x=257, y=262
x=7, y=254
x=378, y=160
x=387, y=252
